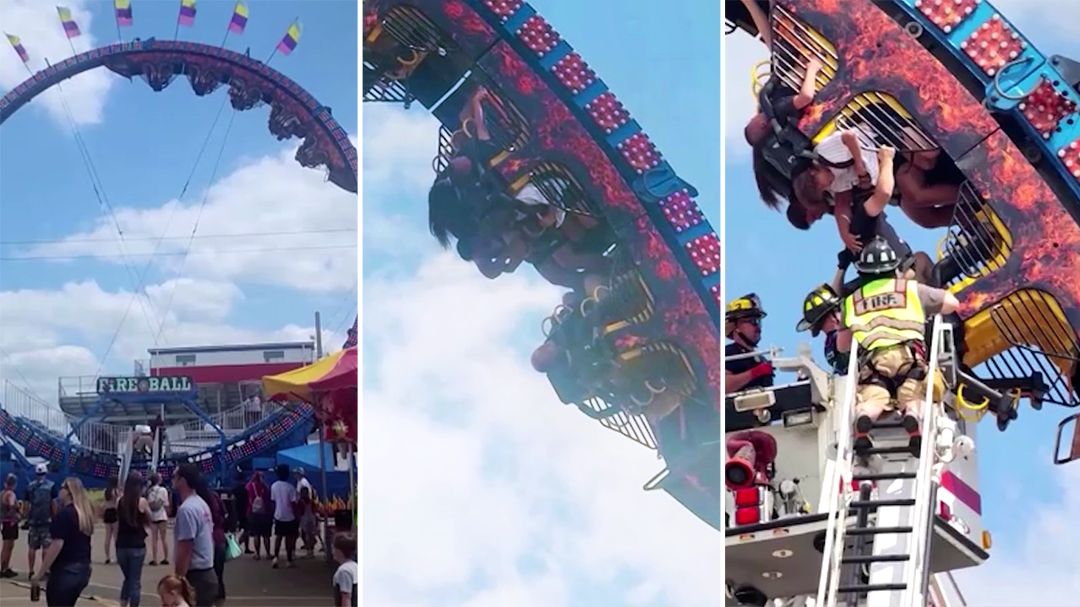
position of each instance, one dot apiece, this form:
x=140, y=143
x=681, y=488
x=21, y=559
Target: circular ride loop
x=537, y=161
x=96, y=450
x=966, y=100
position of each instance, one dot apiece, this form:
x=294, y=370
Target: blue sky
x=63, y=284
x=1023, y=492
x=481, y=488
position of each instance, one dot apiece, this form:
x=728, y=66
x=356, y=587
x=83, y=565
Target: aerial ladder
x=883, y=559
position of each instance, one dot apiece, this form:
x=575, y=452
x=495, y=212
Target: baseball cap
x=41, y=469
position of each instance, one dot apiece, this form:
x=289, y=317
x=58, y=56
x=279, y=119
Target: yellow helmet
x=747, y=306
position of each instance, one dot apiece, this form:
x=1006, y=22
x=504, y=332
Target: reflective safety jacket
x=885, y=312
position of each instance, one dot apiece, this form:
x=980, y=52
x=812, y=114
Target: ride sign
x=143, y=385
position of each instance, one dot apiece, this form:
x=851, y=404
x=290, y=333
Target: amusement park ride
x=805, y=524
x=88, y=445
x=559, y=175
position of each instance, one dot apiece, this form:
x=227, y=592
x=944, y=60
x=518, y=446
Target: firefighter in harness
x=887, y=317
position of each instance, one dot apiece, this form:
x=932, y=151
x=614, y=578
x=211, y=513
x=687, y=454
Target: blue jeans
x=66, y=583
x=131, y=562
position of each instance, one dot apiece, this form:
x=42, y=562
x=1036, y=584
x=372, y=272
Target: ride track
x=294, y=112
x=1007, y=116
x=571, y=118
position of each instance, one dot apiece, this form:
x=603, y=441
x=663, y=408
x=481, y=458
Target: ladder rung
x=876, y=530
x=876, y=558
x=886, y=450
x=870, y=587
x=880, y=503
x=883, y=476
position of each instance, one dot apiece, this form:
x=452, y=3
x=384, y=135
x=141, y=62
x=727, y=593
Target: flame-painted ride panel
x=290, y=428
x=1024, y=164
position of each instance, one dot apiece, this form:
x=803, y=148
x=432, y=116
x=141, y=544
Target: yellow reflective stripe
x=889, y=323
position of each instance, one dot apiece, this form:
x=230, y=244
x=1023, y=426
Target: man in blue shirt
x=821, y=313
x=194, y=534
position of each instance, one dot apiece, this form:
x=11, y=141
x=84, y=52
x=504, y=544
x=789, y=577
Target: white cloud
x=473, y=466
x=280, y=204
x=37, y=24
x=1043, y=568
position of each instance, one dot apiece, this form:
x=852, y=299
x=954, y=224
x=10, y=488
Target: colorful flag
x=17, y=45
x=239, y=19
x=353, y=337
x=291, y=39
x=71, y=29
x=123, y=12
x=187, y=13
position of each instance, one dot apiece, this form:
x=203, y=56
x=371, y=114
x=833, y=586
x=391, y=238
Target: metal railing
x=104, y=437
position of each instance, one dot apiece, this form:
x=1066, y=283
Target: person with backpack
x=41, y=496
x=157, y=497
x=258, y=513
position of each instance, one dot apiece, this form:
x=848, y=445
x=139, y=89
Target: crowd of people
x=886, y=307
x=210, y=528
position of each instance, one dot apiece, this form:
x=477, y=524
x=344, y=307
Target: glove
x=761, y=370
x=844, y=259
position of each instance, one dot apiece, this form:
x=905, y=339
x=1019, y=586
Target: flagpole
x=223, y=40
x=294, y=22
x=119, y=33
x=176, y=34
x=72, y=45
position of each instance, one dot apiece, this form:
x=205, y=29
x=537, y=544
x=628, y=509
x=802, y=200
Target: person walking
x=133, y=520
x=286, y=528
x=67, y=559
x=41, y=496
x=194, y=535
x=112, y=494
x=259, y=514
x=9, y=525
x=157, y=497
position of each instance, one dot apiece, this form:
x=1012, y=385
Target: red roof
x=226, y=374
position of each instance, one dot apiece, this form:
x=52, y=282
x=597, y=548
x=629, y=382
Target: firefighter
x=887, y=318
x=821, y=314
x=743, y=327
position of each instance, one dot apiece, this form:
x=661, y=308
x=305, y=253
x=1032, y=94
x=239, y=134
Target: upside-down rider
x=821, y=314
x=887, y=318
x=742, y=322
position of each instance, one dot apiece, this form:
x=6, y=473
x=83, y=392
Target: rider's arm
x=843, y=340
x=808, y=90
x=842, y=213
x=937, y=301
x=761, y=21
x=838, y=280
x=883, y=189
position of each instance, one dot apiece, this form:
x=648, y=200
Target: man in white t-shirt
x=302, y=482
x=286, y=526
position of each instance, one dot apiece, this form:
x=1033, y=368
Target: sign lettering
x=880, y=303
x=143, y=385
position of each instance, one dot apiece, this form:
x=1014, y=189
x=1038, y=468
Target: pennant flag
x=239, y=19
x=17, y=45
x=291, y=39
x=71, y=29
x=187, y=13
x=353, y=337
x=123, y=13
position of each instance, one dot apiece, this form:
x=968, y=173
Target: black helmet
x=818, y=304
x=878, y=257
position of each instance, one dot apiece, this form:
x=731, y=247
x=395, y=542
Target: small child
x=175, y=591
x=309, y=527
x=346, y=576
